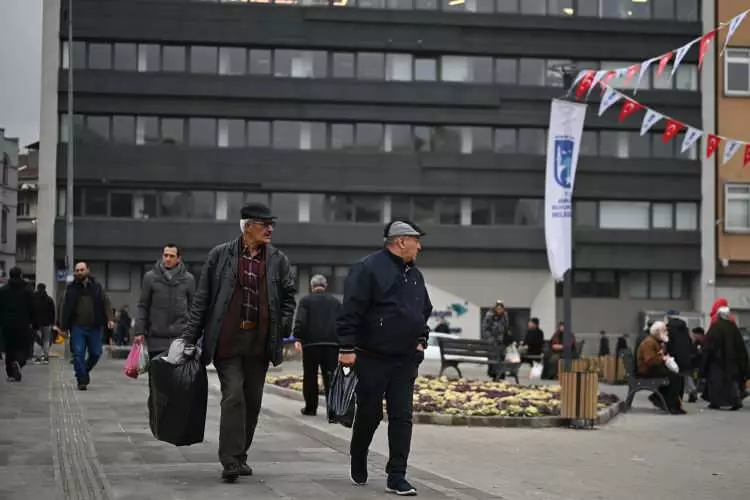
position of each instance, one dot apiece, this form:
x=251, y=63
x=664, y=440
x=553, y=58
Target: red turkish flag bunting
x=713, y=145
x=585, y=84
x=663, y=62
x=672, y=129
x=747, y=156
x=628, y=108
x=632, y=71
x=705, y=42
x=605, y=81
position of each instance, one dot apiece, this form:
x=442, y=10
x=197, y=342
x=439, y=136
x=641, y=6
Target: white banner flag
x=680, y=55
x=691, y=137
x=611, y=96
x=563, y=145
x=644, y=68
x=733, y=25
x=730, y=148
x=651, y=118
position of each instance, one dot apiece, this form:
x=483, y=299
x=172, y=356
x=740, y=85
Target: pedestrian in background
x=383, y=333
x=44, y=314
x=315, y=334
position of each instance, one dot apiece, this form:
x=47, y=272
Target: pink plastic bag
x=132, y=363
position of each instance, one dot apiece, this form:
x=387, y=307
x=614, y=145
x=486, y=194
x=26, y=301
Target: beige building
x=8, y=193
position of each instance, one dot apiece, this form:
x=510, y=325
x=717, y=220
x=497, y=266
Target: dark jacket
x=164, y=305
x=16, y=308
x=315, y=323
x=534, y=341
x=102, y=308
x=214, y=291
x=44, y=309
x=680, y=344
x=497, y=329
x=386, y=307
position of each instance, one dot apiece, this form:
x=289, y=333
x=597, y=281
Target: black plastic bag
x=177, y=401
x=341, y=401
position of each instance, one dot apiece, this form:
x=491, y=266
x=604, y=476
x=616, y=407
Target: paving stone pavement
x=59, y=443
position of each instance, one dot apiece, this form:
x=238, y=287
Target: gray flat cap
x=402, y=228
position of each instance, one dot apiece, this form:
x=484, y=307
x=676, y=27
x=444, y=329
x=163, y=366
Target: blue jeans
x=82, y=339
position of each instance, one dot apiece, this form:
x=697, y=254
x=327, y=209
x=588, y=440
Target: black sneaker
x=231, y=473
x=308, y=413
x=245, y=470
x=83, y=387
x=401, y=487
x=358, y=471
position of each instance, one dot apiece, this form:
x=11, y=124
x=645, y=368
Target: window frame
x=739, y=197
x=731, y=58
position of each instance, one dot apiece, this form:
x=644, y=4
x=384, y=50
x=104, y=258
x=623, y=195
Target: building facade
x=26, y=211
x=8, y=196
x=343, y=114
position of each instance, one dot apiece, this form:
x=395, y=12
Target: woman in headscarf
x=725, y=360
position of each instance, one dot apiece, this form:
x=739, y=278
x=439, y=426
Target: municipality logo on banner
x=563, y=147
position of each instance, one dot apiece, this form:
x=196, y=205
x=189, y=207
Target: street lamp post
x=69, y=263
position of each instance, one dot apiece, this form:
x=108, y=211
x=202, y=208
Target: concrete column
x=706, y=288
x=48, y=124
x=544, y=306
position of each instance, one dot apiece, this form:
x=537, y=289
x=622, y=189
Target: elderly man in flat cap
x=383, y=334
x=243, y=308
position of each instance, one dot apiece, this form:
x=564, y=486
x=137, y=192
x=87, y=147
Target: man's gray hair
x=318, y=281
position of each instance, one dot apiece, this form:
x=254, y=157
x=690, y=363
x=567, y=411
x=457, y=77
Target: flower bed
x=433, y=395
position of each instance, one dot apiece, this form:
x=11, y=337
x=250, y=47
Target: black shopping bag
x=177, y=401
x=341, y=399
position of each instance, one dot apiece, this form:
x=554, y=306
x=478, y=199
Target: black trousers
x=242, y=377
x=314, y=357
x=673, y=390
x=17, y=346
x=392, y=378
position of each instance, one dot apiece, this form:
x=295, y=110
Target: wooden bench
x=480, y=352
x=637, y=384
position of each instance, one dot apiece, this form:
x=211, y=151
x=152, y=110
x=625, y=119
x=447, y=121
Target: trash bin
x=579, y=394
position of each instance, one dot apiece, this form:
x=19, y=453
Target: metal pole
x=69, y=262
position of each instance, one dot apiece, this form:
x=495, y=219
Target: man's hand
x=110, y=325
x=298, y=346
x=138, y=339
x=347, y=358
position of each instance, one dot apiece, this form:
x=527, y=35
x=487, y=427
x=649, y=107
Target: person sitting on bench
x=651, y=362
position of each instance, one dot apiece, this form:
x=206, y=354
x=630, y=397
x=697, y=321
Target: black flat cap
x=256, y=211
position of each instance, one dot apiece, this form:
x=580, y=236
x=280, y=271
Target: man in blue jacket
x=383, y=334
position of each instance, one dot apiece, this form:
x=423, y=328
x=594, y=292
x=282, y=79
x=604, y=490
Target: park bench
x=637, y=384
x=480, y=352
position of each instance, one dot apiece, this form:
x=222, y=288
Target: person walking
x=44, y=314
x=383, y=333
x=315, y=333
x=17, y=323
x=242, y=310
x=166, y=295
x=86, y=311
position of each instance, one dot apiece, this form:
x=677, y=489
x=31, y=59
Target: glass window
x=632, y=145
x=660, y=287
x=529, y=212
x=454, y=68
x=260, y=62
x=687, y=217
x=204, y=59
x=118, y=276
x=532, y=141
x=584, y=213
x=126, y=57
x=481, y=69
x=95, y=202
x=370, y=66
x=232, y=61
x=422, y=138
x=505, y=140
x=187, y=204
x=369, y=136
x=399, y=67
x=688, y=10
x=286, y=134
x=686, y=77
x=285, y=206
x=532, y=71
x=100, y=56
x=336, y=285
x=258, y=134
x=624, y=215
x=506, y=71
x=79, y=55
x=610, y=144
x=173, y=130
x=663, y=9
x=235, y=132
x=446, y=139
x=449, y=211
x=737, y=71
x=121, y=205
x=658, y=148
x=97, y=127
x=481, y=139
x=340, y=208
x=299, y=63
x=554, y=71
x=424, y=210
x=149, y=57
x=425, y=70
x=401, y=206
x=625, y=9
x=123, y=129
x=481, y=212
x=370, y=4
x=258, y=197
x=426, y=4
x=368, y=209
x=509, y=6
x=638, y=285
x=342, y=136
x=535, y=7
x=399, y=137
x=314, y=135
x=173, y=58
x=202, y=132
x=343, y=65
x=148, y=130
x=561, y=8
x=662, y=216
x=589, y=143
x=504, y=211
x=678, y=289
x=235, y=202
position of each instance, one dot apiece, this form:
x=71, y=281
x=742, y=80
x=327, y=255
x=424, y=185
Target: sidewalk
x=100, y=447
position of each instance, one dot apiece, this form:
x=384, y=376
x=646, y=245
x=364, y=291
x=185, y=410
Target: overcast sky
x=20, y=68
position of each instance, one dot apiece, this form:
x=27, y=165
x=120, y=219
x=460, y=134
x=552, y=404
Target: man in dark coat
x=315, y=333
x=17, y=323
x=383, y=329
x=86, y=311
x=496, y=329
x=44, y=315
x=166, y=294
x=242, y=310
x=680, y=347
x=725, y=363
